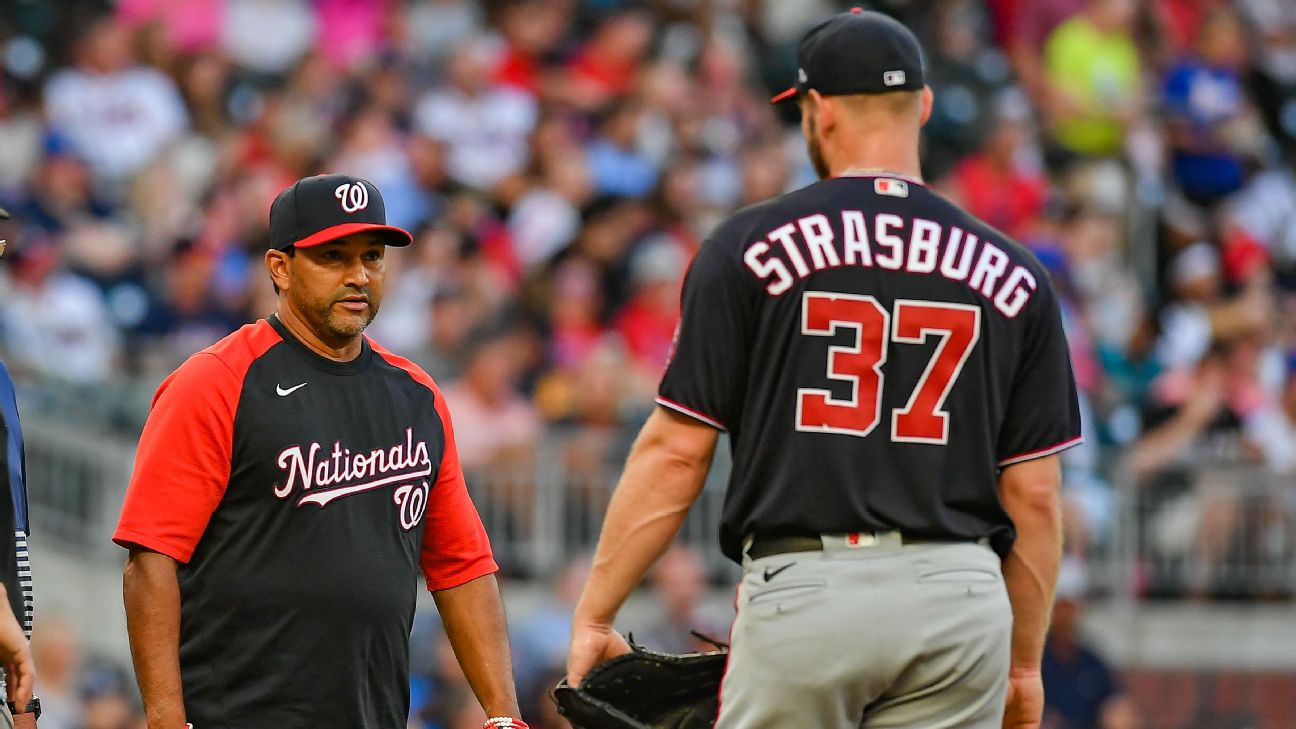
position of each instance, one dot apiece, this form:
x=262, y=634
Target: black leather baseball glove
x=645, y=689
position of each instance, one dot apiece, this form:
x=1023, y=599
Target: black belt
x=765, y=546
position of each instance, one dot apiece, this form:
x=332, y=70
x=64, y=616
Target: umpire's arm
x=663, y=476
x=152, y=596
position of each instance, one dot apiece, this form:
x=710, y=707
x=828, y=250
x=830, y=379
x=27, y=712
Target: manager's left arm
x=460, y=572
x=473, y=616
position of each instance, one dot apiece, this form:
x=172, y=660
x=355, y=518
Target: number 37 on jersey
x=874, y=330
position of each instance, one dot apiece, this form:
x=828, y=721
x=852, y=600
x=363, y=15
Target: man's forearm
x=1030, y=570
x=473, y=616
x=654, y=495
x=152, y=597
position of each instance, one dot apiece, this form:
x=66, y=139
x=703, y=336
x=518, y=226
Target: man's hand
x=1024, y=708
x=15, y=656
x=590, y=646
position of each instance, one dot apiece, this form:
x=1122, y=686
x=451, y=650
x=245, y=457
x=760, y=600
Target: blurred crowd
x=560, y=161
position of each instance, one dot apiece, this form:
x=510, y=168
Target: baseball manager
x=291, y=483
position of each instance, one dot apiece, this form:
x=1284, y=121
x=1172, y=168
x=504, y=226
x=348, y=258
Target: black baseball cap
x=857, y=52
x=316, y=210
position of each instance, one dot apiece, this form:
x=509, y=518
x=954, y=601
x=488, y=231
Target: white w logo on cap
x=354, y=196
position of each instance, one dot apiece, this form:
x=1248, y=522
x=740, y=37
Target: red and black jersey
x=877, y=355
x=302, y=497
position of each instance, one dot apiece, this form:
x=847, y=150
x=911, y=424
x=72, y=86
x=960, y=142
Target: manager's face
x=335, y=287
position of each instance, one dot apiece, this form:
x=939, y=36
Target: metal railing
x=76, y=480
x=1215, y=532
x=1224, y=535
x=542, y=514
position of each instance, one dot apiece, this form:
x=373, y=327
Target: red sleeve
x=182, y=464
x=455, y=546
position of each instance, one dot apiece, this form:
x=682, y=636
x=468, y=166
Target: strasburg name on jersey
x=888, y=241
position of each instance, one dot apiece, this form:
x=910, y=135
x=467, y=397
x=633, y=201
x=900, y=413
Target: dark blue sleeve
x=13, y=502
x=15, y=460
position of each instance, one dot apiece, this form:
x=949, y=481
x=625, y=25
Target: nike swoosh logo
x=282, y=392
x=771, y=573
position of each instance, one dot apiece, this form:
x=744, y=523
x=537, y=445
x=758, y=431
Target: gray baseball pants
x=869, y=633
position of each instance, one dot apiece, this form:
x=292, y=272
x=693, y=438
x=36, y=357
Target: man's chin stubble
x=348, y=328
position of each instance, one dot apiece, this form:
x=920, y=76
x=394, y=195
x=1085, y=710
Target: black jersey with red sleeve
x=302, y=497
x=877, y=355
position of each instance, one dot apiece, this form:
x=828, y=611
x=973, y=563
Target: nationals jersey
x=302, y=497
x=876, y=355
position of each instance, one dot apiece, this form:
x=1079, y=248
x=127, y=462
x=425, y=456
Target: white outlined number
x=923, y=419
x=859, y=364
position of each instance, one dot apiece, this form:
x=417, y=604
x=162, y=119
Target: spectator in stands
x=1092, y=70
x=732, y=117
x=60, y=194
x=56, y=650
x=616, y=165
x=267, y=38
x=968, y=76
x=20, y=146
x=109, y=700
x=647, y=321
x=1187, y=327
x=539, y=639
x=1080, y=690
x=1024, y=26
x=546, y=218
x=188, y=317
x=589, y=402
x=1201, y=467
x=543, y=710
x=494, y=425
x=118, y=115
x=1274, y=428
x=188, y=26
x=531, y=30
x=574, y=304
x=1263, y=212
x=1108, y=294
x=1000, y=183
x=442, y=699
x=1273, y=39
x=605, y=67
x=678, y=582
x=351, y=33
x=1212, y=127
x=483, y=125
x=54, y=321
